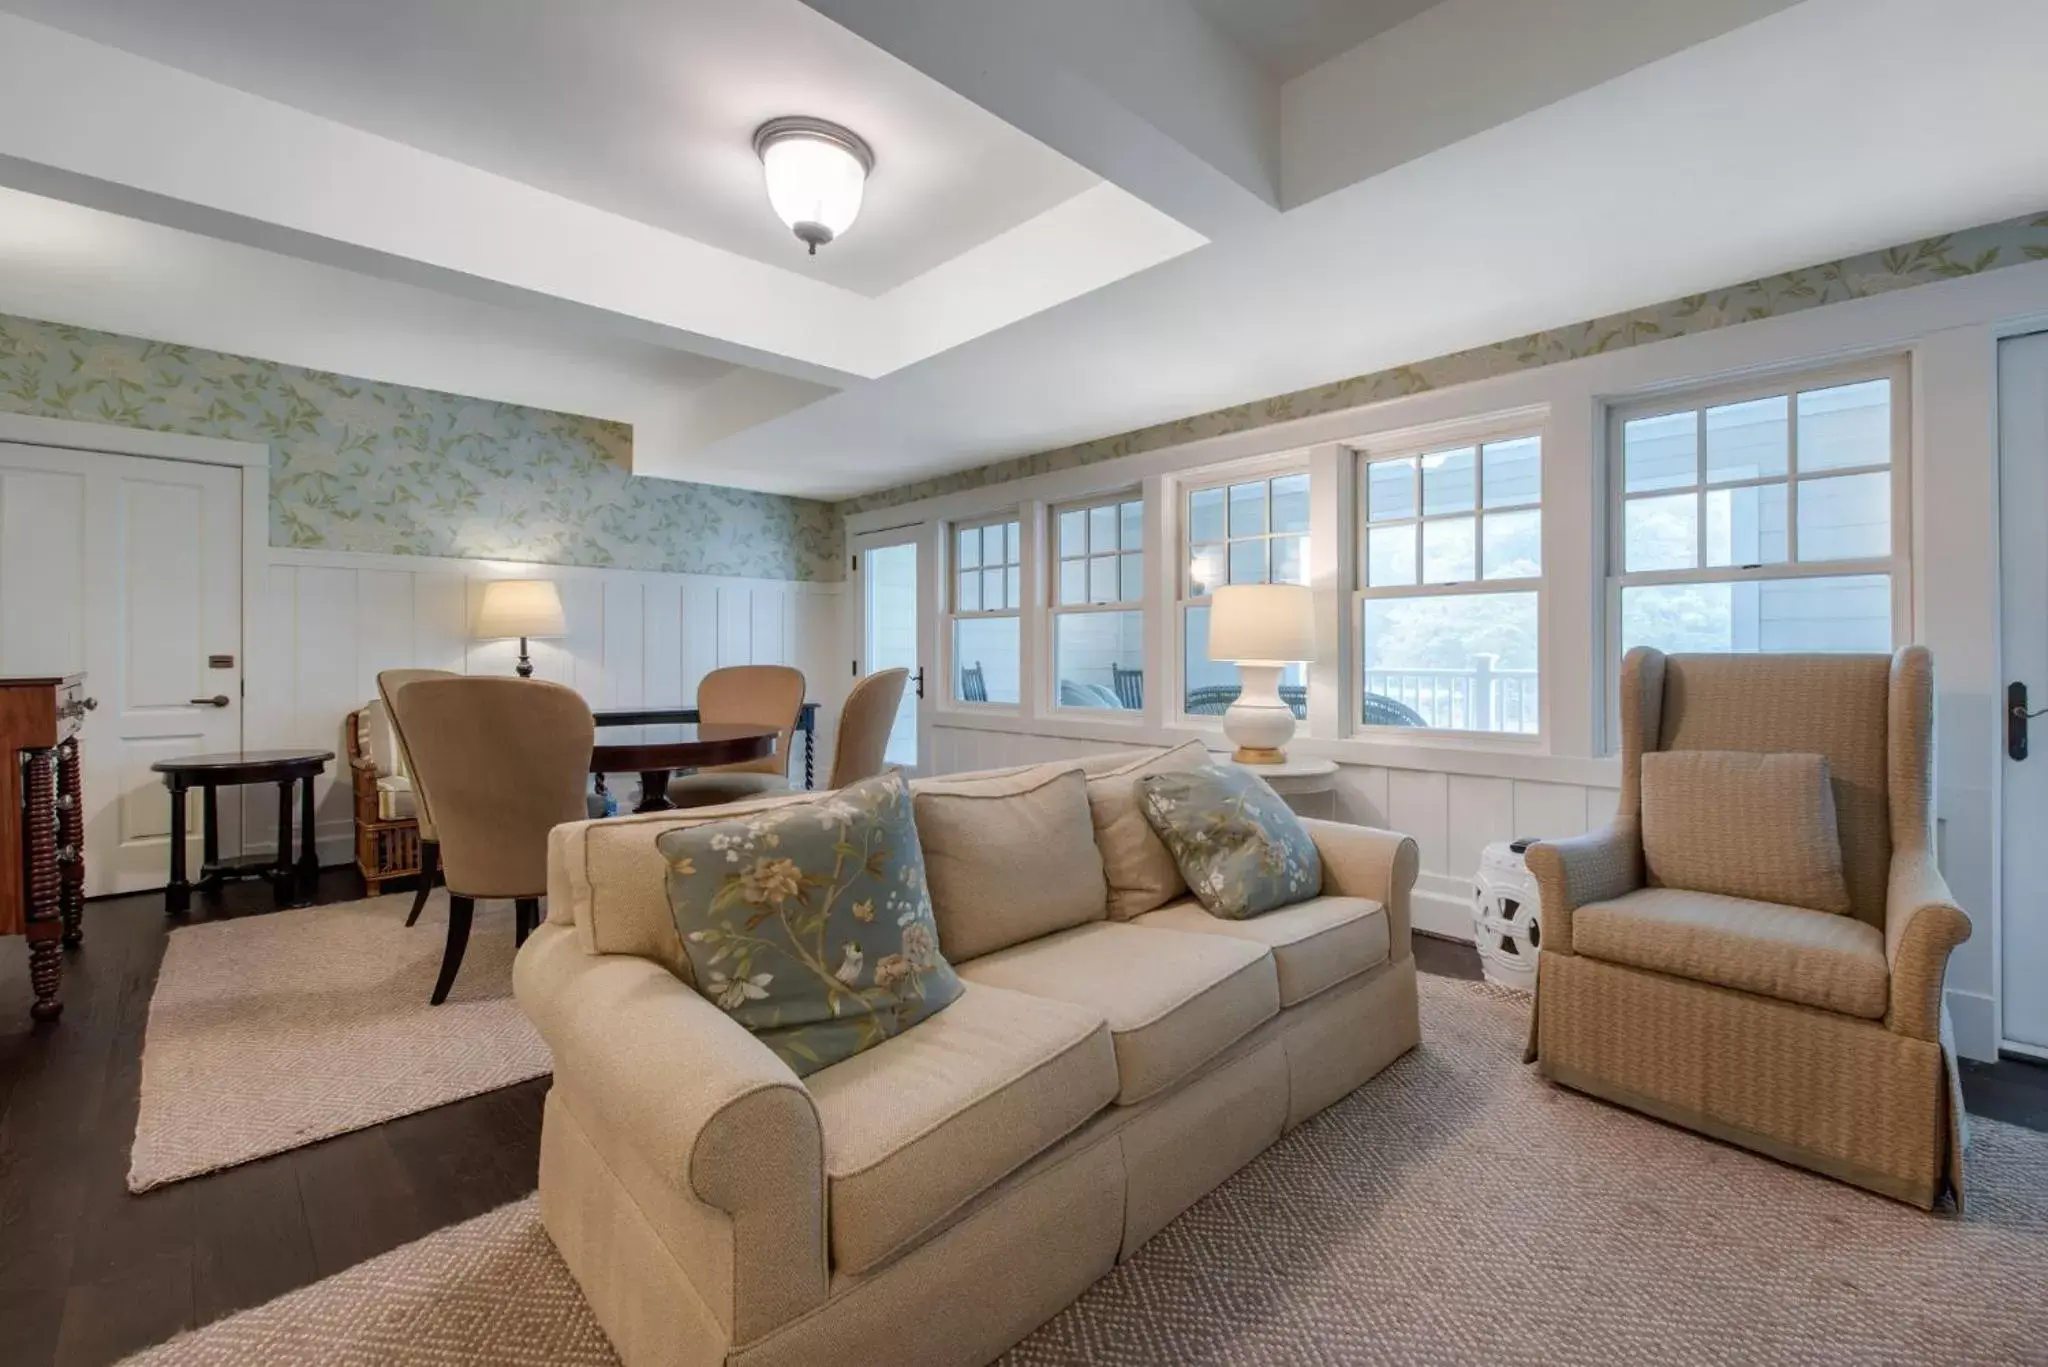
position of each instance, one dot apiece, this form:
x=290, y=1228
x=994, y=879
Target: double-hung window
x=1760, y=519
x=1450, y=586
x=1242, y=531
x=1098, y=618
x=987, y=594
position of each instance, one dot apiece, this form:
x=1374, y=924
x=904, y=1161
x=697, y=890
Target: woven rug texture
x=269, y=1032
x=1454, y=1210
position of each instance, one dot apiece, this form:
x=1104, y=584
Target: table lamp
x=1263, y=628
x=522, y=608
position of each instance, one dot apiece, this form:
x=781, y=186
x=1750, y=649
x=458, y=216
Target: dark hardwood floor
x=89, y=1273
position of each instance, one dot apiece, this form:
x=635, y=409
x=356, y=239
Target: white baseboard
x=1974, y=1016
x=1443, y=909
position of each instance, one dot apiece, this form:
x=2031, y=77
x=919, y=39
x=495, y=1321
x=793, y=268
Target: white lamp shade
x=520, y=607
x=1262, y=623
x=813, y=181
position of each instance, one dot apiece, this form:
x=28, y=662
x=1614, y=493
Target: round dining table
x=661, y=750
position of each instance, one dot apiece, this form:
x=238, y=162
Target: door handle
x=2016, y=718
x=217, y=700
x=920, y=682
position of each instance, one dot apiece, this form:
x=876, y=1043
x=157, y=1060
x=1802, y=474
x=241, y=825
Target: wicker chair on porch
x=1800, y=1014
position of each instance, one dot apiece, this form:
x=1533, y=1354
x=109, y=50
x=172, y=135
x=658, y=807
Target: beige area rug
x=269, y=1032
x=1456, y=1210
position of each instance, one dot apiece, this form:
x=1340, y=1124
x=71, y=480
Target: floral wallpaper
x=360, y=465
x=2014, y=242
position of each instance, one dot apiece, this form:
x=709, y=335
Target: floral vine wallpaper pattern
x=2014, y=242
x=361, y=465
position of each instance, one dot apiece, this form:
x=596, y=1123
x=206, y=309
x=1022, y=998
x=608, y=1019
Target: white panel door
x=128, y=569
x=896, y=607
x=2023, y=503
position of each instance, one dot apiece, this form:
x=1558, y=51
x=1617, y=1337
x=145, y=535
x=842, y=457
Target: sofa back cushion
x=608, y=880
x=1239, y=846
x=1009, y=857
x=1136, y=863
x=810, y=924
x=1743, y=824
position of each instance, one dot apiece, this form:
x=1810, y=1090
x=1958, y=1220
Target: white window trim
x=1055, y=609
x=946, y=700
x=1278, y=465
x=1787, y=381
x=1476, y=434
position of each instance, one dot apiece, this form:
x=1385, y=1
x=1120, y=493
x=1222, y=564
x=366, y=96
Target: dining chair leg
x=430, y=864
x=527, y=913
x=460, y=910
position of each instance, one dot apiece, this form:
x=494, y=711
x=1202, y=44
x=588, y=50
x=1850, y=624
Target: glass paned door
x=893, y=630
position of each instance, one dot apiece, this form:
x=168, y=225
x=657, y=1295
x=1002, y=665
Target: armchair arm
x=1594, y=867
x=687, y=1101
x=1922, y=924
x=1361, y=861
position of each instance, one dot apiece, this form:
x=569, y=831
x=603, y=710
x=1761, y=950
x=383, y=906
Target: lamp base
x=1259, y=724
x=525, y=666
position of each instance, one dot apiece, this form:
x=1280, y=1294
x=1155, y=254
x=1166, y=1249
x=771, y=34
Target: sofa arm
x=1922, y=924
x=703, y=1105
x=1571, y=873
x=1362, y=861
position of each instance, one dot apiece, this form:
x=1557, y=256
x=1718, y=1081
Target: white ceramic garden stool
x=1507, y=916
x=1311, y=779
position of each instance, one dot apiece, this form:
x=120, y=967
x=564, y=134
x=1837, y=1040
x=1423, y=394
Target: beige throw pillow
x=1141, y=872
x=1008, y=858
x=1741, y=824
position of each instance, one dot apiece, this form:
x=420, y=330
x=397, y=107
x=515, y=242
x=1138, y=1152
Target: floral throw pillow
x=809, y=924
x=1241, y=849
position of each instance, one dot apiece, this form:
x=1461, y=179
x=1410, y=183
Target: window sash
x=1013, y=551
x=1183, y=578
x=1477, y=514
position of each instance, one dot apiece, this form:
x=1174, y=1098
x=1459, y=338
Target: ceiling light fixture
x=815, y=173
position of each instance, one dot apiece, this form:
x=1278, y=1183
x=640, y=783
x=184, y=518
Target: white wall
x=635, y=639
x=1454, y=795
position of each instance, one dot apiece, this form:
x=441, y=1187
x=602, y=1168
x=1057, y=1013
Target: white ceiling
x=644, y=108
x=1287, y=37
x=1476, y=171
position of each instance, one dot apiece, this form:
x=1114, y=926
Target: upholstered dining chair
x=760, y=695
x=389, y=681
x=1755, y=947
x=508, y=761
x=864, y=724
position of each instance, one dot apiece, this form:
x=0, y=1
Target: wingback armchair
x=1812, y=1036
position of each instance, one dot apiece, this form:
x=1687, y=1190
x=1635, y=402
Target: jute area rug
x=1455, y=1210
x=269, y=1032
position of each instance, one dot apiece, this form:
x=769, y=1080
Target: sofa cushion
x=1743, y=824
x=1240, y=848
x=395, y=801
x=923, y=1123
x=1173, y=1000
x=1813, y=958
x=1315, y=944
x=1138, y=866
x=810, y=925
x=1009, y=857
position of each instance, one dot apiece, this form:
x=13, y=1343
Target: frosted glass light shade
x=1262, y=623
x=816, y=173
x=520, y=607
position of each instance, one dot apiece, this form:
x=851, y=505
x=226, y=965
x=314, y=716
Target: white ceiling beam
x=1144, y=92
x=1463, y=66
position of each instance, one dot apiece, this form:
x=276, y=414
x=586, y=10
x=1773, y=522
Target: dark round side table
x=293, y=881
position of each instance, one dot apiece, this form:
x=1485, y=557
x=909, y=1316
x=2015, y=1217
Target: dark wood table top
x=686, y=747
x=245, y=766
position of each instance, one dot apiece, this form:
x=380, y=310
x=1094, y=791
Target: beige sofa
x=933, y=1199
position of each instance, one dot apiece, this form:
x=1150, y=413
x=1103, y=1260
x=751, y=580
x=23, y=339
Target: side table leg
x=44, y=928
x=209, y=839
x=177, y=892
x=71, y=838
x=309, y=853
x=283, y=871
x=810, y=756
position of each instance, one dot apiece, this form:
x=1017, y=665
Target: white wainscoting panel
x=1452, y=816
x=635, y=639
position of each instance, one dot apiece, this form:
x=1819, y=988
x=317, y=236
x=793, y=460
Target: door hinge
x=856, y=562
x=856, y=669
